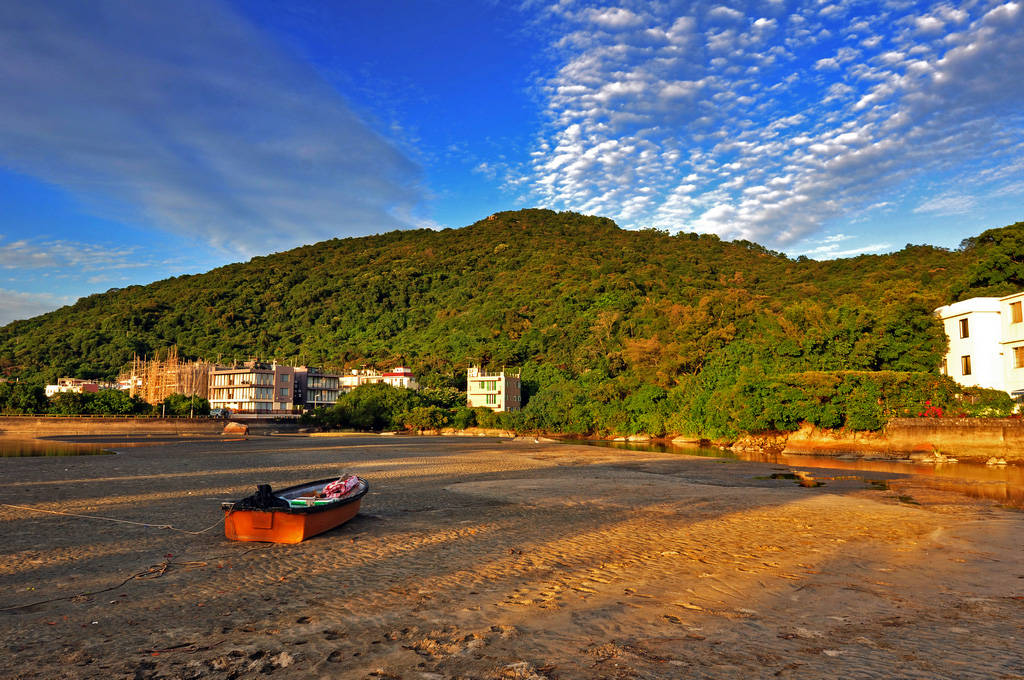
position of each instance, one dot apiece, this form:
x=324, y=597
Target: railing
x=106, y=415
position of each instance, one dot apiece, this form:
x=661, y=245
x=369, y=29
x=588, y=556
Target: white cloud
x=15, y=305
x=615, y=18
x=830, y=251
x=725, y=13
x=929, y=24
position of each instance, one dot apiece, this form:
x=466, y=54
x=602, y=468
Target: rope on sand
x=122, y=521
x=155, y=571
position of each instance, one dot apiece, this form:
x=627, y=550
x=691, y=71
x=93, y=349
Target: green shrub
x=863, y=406
x=424, y=418
x=463, y=417
x=985, y=403
x=104, y=402
x=858, y=400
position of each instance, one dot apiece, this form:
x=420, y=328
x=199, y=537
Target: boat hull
x=291, y=525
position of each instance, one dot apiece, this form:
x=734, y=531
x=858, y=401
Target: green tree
x=19, y=397
x=185, y=405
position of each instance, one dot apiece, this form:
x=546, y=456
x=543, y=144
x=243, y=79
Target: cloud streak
x=29, y=254
x=182, y=116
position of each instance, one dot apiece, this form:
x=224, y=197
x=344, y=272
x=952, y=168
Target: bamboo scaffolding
x=156, y=379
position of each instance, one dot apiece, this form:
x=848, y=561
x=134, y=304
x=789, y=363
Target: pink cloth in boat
x=340, y=487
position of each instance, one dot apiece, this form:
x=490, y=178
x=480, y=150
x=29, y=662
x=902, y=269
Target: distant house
x=396, y=377
x=496, y=391
x=400, y=376
x=359, y=376
x=72, y=385
x=130, y=383
x=986, y=342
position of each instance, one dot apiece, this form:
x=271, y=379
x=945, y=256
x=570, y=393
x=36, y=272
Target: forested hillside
x=608, y=314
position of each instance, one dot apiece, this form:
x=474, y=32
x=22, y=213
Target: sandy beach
x=489, y=559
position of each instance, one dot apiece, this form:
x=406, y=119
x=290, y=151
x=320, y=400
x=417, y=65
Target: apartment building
x=497, y=391
x=315, y=387
x=986, y=342
x=254, y=387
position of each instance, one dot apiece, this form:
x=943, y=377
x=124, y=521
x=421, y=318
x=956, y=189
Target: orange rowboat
x=290, y=515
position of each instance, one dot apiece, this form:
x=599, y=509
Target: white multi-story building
x=496, y=391
x=359, y=376
x=1013, y=342
x=253, y=388
x=986, y=342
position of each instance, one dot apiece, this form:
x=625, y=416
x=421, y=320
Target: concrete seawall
x=968, y=438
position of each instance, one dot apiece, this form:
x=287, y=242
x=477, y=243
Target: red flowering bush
x=930, y=411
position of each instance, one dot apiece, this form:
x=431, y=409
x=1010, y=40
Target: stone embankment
x=965, y=438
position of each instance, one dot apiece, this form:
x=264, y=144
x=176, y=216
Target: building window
x=492, y=399
x=965, y=332
x=1015, y=313
x=284, y=392
x=965, y=365
x=1018, y=357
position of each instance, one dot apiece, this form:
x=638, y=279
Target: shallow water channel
x=19, y=448
x=1002, y=483
x=86, y=445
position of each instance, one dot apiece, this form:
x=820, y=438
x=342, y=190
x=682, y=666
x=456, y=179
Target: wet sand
x=501, y=560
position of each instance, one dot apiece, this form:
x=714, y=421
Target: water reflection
x=130, y=440
x=1002, y=483
x=19, y=448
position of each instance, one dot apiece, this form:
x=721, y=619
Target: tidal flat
x=512, y=560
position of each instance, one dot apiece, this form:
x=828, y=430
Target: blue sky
x=140, y=140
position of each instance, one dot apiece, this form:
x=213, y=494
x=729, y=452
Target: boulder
x=235, y=428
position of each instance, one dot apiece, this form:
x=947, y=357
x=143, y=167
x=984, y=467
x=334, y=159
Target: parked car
x=219, y=413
